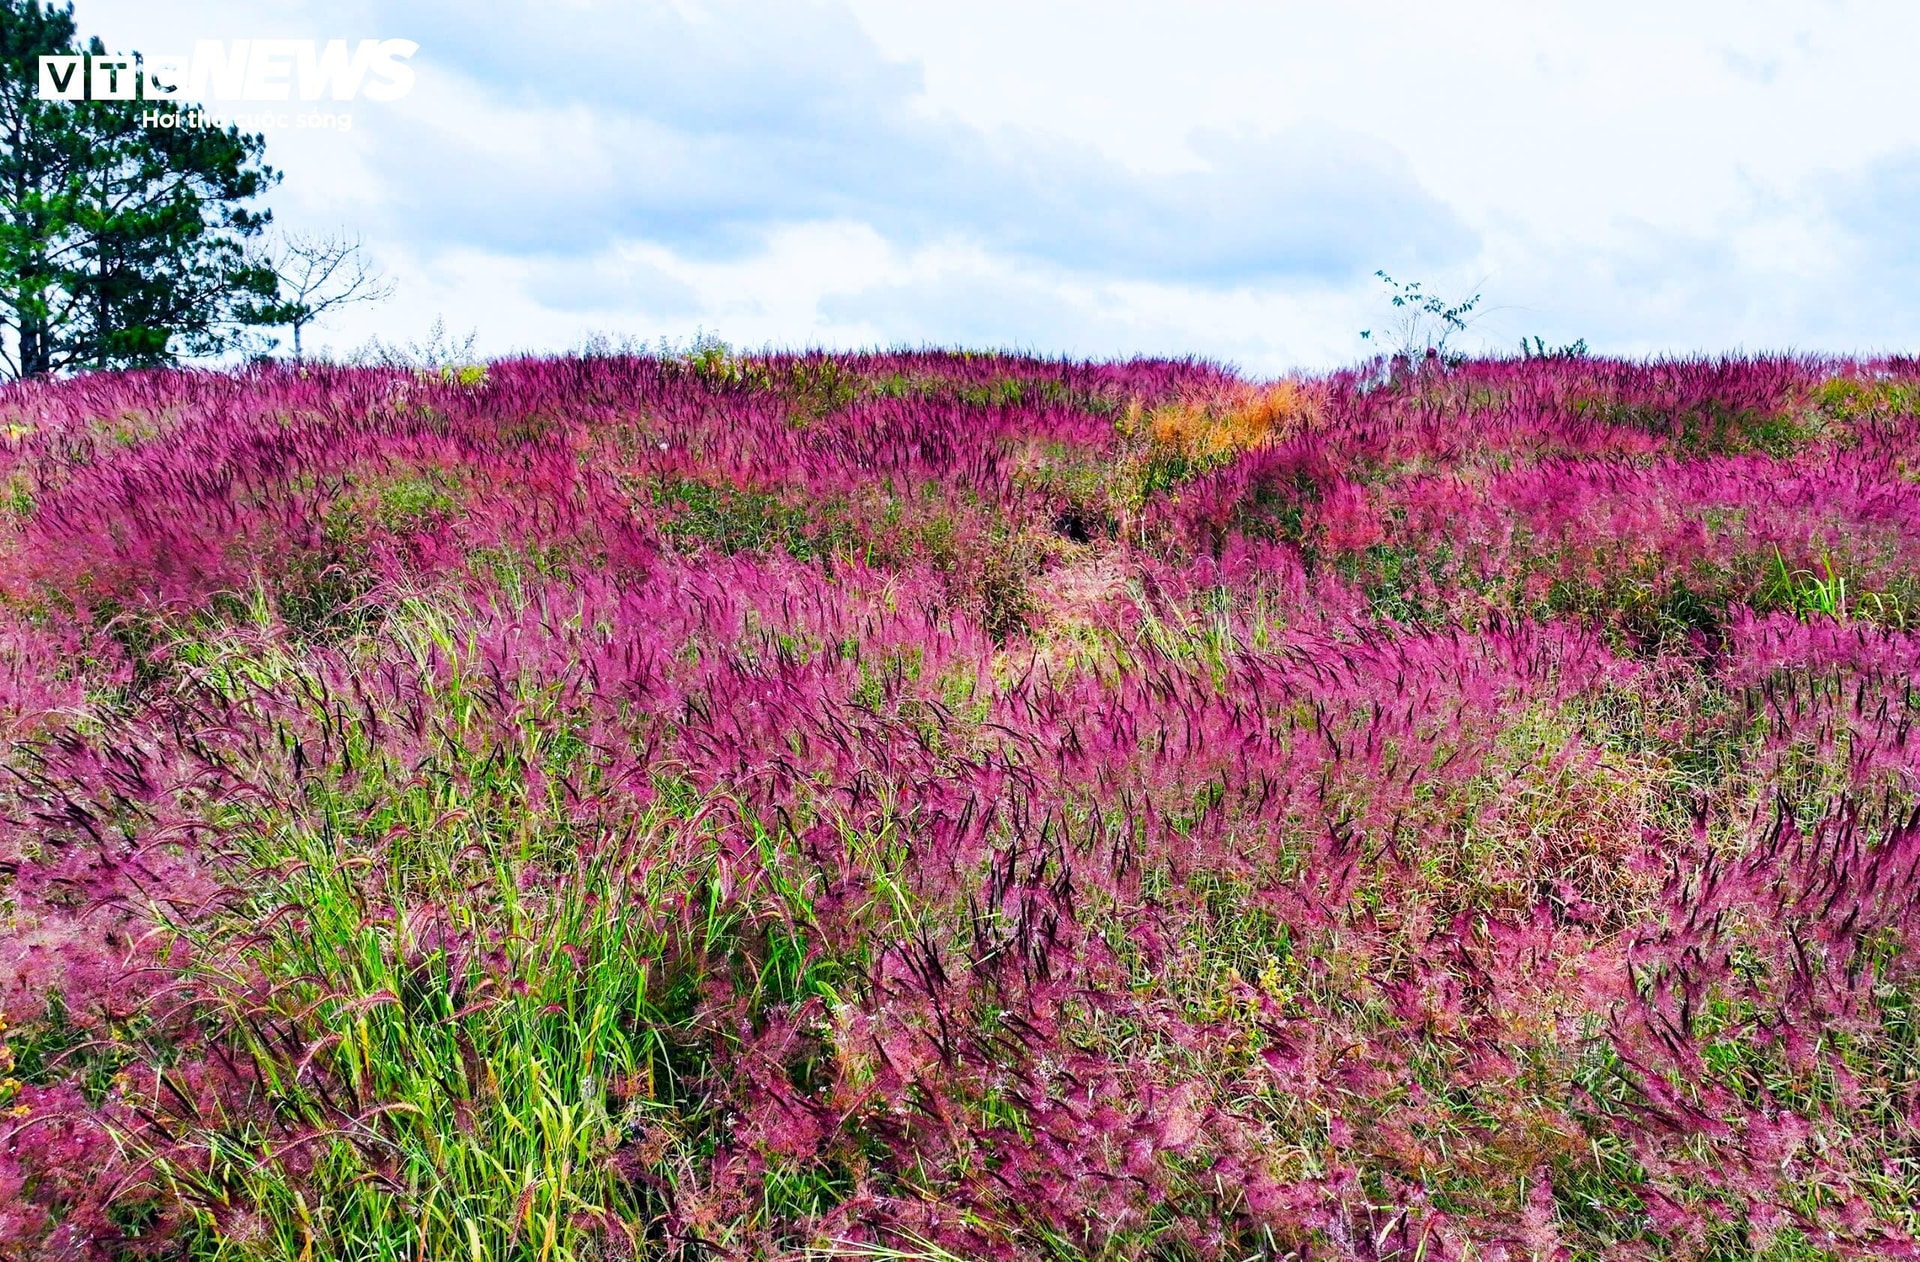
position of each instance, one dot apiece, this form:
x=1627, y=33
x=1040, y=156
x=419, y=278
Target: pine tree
x=121, y=245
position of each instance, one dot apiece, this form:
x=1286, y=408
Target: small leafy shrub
x=1536, y=347
x=1425, y=324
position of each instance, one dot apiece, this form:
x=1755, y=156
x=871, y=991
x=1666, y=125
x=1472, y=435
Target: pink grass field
x=939, y=805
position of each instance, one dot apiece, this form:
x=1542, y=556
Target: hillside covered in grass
x=961, y=806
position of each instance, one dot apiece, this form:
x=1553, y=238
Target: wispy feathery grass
x=935, y=806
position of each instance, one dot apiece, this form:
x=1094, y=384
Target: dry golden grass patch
x=1219, y=425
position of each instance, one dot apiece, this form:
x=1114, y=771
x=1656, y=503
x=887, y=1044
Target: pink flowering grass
x=961, y=806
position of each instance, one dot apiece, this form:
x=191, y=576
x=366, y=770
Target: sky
x=1115, y=177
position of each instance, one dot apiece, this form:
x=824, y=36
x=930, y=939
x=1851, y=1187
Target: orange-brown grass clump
x=1209, y=428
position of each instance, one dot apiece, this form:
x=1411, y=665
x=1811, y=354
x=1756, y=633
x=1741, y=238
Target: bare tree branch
x=320, y=274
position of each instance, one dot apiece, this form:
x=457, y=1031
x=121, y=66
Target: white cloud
x=1108, y=176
